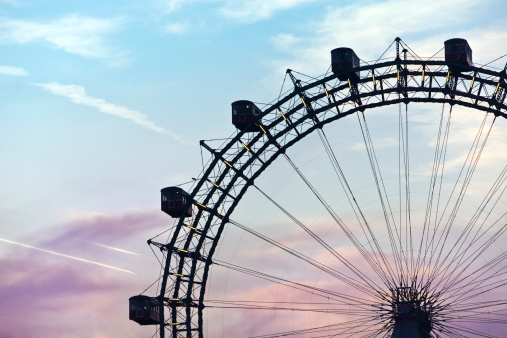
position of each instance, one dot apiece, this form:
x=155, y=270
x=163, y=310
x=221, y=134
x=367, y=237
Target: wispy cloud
x=284, y=42
x=110, y=231
x=249, y=11
x=176, y=28
x=73, y=33
x=78, y=95
x=245, y=11
x=11, y=2
x=16, y=71
x=173, y=5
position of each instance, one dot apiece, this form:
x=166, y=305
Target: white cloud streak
x=173, y=5
x=176, y=28
x=15, y=71
x=249, y=11
x=78, y=95
x=11, y=2
x=113, y=248
x=284, y=42
x=245, y=11
x=73, y=33
x=66, y=256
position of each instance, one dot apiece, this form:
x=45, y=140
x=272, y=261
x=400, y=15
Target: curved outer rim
x=188, y=307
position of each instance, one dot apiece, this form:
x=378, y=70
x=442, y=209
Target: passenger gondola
x=243, y=113
x=144, y=310
x=459, y=53
x=174, y=201
x=343, y=59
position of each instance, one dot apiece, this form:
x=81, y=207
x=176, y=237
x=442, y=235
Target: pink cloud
x=61, y=299
x=252, y=322
x=46, y=295
x=112, y=228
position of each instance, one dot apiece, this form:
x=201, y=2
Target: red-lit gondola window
x=239, y=110
x=243, y=113
x=335, y=58
x=164, y=199
x=171, y=200
x=343, y=60
x=461, y=52
x=454, y=49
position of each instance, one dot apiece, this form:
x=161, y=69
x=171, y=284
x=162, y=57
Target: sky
x=103, y=103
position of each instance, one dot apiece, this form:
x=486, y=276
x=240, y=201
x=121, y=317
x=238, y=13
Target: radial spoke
x=336, y=296
x=374, y=263
x=337, y=274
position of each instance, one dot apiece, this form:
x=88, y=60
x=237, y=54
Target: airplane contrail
x=113, y=248
x=67, y=256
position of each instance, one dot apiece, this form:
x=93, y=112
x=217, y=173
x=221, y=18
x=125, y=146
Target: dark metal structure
x=411, y=313
x=407, y=306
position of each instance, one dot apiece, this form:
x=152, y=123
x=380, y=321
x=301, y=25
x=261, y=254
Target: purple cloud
x=47, y=295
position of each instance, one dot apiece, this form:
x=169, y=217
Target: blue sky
x=103, y=103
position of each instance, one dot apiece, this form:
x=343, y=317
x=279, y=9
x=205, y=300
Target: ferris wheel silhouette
x=406, y=242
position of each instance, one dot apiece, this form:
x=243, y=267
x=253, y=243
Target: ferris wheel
x=367, y=202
